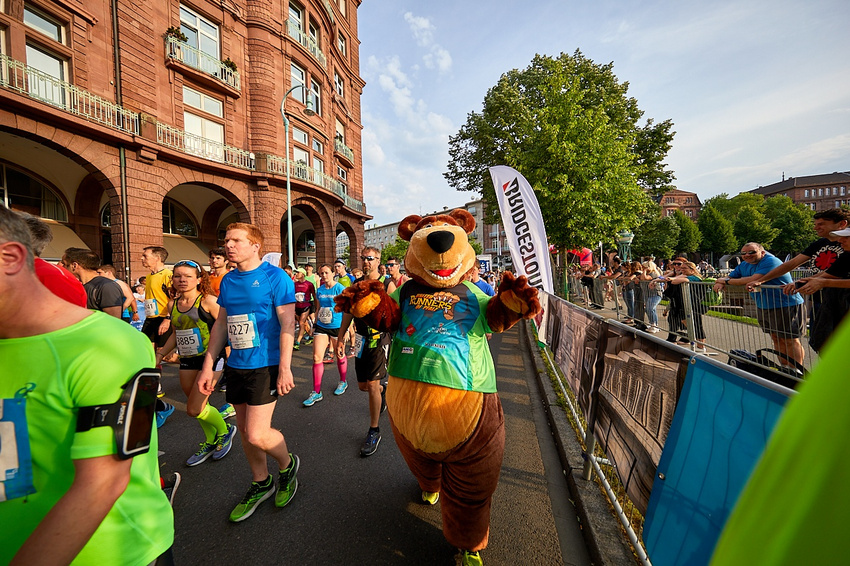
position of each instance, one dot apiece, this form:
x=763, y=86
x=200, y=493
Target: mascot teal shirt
x=441, y=338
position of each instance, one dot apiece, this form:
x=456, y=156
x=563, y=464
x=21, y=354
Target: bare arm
x=343, y=333
x=218, y=338
x=780, y=270
x=286, y=316
x=65, y=530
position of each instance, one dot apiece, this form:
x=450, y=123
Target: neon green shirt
x=83, y=364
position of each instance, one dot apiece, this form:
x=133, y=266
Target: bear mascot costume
x=441, y=394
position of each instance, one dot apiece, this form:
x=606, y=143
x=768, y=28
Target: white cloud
x=437, y=57
x=422, y=28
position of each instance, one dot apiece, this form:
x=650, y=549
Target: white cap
x=844, y=232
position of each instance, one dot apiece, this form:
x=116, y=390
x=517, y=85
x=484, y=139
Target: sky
x=755, y=88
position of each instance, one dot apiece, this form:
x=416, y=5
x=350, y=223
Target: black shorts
x=299, y=311
x=371, y=365
x=785, y=322
x=150, y=328
x=195, y=363
x=332, y=332
x=251, y=386
x=312, y=308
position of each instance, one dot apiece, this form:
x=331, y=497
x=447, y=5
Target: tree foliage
x=753, y=226
x=397, y=249
x=569, y=127
x=794, y=222
x=657, y=237
x=718, y=235
x=689, y=235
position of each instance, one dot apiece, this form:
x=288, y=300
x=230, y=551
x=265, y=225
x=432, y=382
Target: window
x=842, y=191
x=806, y=193
x=472, y=210
x=296, y=16
x=318, y=146
x=341, y=44
x=314, y=35
x=318, y=165
x=342, y=7
x=299, y=135
x=688, y=200
x=106, y=216
x=204, y=36
x=300, y=156
x=204, y=136
x=837, y=204
x=339, y=85
x=39, y=21
x=298, y=77
x=834, y=191
x=814, y=206
x=175, y=220
x=21, y=192
x=690, y=213
x=50, y=72
x=317, y=96
x=820, y=192
x=340, y=132
x=341, y=173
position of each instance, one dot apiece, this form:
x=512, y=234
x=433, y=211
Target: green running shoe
x=288, y=483
x=469, y=558
x=257, y=493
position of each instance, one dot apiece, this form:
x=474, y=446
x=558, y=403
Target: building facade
x=127, y=124
x=817, y=192
x=685, y=201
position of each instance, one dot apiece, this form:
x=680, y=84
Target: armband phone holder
x=131, y=417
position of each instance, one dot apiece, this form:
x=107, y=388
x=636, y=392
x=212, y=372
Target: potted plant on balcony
x=176, y=34
x=228, y=63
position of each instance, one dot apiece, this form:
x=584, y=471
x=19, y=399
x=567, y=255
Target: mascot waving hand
x=445, y=413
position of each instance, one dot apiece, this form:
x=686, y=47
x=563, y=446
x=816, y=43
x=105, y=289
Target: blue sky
x=755, y=88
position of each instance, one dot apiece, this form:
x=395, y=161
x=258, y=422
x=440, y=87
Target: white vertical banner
x=524, y=232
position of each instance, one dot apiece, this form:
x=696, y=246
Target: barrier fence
x=671, y=434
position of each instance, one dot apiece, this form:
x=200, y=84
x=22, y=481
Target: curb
x=603, y=534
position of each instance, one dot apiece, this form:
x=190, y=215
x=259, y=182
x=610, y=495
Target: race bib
x=15, y=457
x=359, y=342
x=189, y=342
x=151, y=307
x=242, y=331
x=299, y=297
x=326, y=315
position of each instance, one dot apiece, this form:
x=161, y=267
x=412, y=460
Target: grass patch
x=733, y=317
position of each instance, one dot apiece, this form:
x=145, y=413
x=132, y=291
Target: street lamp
x=624, y=243
x=308, y=111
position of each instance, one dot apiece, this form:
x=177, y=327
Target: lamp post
x=624, y=243
x=308, y=110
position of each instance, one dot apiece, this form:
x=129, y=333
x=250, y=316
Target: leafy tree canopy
x=794, y=222
x=753, y=226
x=657, y=237
x=397, y=249
x=689, y=235
x=568, y=125
x=717, y=232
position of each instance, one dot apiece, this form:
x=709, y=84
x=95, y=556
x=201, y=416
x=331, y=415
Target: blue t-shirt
x=251, y=299
x=486, y=287
x=326, y=316
x=768, y=298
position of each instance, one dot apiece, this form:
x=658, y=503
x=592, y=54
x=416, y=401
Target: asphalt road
x=353, y=510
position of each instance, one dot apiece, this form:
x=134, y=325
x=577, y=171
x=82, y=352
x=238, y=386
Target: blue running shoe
x=164, y=414
x=340, y=389
x=224, y=442
x=312, y=399
x=202, y=455
x=227, y=411
x=370, y=445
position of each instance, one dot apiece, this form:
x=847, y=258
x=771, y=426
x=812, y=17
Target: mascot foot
x=430, y=498
x=469, y=558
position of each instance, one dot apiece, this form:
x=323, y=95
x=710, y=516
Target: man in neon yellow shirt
x=64, y=494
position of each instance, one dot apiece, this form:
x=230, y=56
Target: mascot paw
x=517, y=295
x=360, y=299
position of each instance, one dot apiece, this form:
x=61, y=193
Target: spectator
x=652, y=293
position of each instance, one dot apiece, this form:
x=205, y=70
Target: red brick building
x=128, y=124
x=685, y=201
x=818, y=192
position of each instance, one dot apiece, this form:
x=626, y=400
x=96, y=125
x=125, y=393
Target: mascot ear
x=464, y=219
x=408, y=226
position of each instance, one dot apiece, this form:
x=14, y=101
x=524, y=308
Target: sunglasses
x=749, y=253
x=392, y=264
x=188, y=262
x=675, y=264
x=368, y=258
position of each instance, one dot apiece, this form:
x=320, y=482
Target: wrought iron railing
x=204, y=62
x=303, y=172
x=203, y=147
x=40, y=86
x=298, y=35
x=343, y=149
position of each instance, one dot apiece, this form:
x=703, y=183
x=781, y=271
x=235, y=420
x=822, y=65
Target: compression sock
x=212, y=423
x=318, y=370
x=342, y=364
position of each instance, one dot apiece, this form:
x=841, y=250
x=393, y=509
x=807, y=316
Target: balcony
x=305, y=40
x=208, y=66
x=303, y=172
x=40, y=86
x=202, y=147
x=346, y=152
x=329, y=10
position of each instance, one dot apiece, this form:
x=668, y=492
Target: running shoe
x=202, y=455
x=341, y=387
x=308, y=340
x=162, y=415
x=430, y=497
x=312, y=399
x=370, y=445
x=160, y=392
x=227, y=411
x=224, y=442
x=328, y=357
x=287, y=482
x=469, y=558
x=170, y=485
x=257, y=493
x=221, y=385
x=296, y=346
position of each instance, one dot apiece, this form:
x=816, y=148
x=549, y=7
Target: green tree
x=718, y=235
x=794, y=222
x=397, y=249
x=730, y=207
x=476, y=245
x=656, y=237
x=689, y=235
x=753, y=226
x=569, y=127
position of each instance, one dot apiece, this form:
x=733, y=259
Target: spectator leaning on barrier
x=779, y=315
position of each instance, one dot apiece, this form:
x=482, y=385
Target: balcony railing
x=40, y=86
x=343, y=149
x=204, y=62
x=329, y=10
x=202, y=147
x=303, y=172
x=298, y=35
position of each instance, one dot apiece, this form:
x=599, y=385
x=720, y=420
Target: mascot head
x=439, y=254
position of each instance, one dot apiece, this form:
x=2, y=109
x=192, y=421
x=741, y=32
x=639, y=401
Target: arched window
x=222, y=227
x=306, y=242
x=176, y=220
x=106, y=216
x=21, y=192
